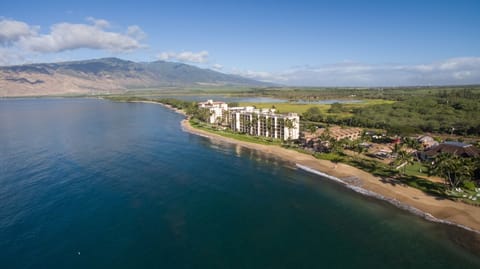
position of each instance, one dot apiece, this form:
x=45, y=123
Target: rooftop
x=454, y=147
x=457, y=144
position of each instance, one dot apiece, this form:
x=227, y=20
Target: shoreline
x=407, y=198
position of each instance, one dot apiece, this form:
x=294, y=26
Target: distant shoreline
x=407, y=198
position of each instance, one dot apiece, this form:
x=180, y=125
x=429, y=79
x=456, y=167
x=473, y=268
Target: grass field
x=301, y=108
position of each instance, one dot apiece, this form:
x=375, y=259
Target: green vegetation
x=394, y=94
x=453, y=169
x=448, y=113
x=302, y=108
x=387, y=173
x=402, y=111
x=399, y=111
x=196, y=123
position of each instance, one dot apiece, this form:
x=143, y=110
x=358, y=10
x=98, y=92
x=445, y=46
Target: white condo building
x=257, y=122
x=217, y=110
x=264, y=122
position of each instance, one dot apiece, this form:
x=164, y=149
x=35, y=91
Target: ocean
x=88, y=183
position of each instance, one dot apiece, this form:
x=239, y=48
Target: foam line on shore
x=392, y=201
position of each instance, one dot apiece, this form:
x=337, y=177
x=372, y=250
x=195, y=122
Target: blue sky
x=324, y=43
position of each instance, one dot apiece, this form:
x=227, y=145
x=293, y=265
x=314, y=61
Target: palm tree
x=290, y=124
x=356, y=146
x=404, y=158
x=269, y=126
x=255, y=123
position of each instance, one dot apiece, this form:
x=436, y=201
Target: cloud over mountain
x=185, y=56
x=64, y=36
x=462, y=70
x=12, y=31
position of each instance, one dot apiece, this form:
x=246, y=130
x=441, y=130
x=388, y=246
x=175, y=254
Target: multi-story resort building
x=257, y=122
x=217, y=110
x=265, y=122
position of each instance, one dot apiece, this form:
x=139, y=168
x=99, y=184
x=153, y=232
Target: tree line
x=437, y=114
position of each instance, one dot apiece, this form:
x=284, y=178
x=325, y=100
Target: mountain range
x=108, y=75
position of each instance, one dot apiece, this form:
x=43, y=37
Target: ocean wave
x=392, y=201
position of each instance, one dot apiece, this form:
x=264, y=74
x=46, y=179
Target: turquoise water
x=95, y=184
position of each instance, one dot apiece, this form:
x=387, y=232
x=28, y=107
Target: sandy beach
x=408, y=198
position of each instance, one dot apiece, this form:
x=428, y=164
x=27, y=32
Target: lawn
x=417, y=169
x=301, y=108
x=233, y=135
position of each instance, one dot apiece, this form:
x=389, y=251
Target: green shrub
x=469, y=185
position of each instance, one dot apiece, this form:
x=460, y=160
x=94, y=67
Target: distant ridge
x=108, y=75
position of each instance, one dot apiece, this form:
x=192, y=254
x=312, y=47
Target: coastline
x=415, y=201
x=407, y=198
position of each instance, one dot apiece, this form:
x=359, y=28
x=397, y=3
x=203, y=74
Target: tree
x=313, y=114
x=404, y=158
x=290, y=124
x=356, y=146
x=336, y=146
x=218, y=121
x=336, y=108
x=255, y=123
x=312, y=128
x=452, y=168
x=412, y=143
x=269, y=125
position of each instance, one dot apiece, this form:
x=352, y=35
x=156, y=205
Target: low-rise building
x=427, y=141
x=453, y=147
x=339, y=133
x=314, y=139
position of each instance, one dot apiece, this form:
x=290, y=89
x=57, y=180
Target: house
x=427, y=141
x=453, y=147
x=375, y=135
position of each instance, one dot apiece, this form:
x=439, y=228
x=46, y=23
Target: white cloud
x=68, y=36
x=8, y=56
x=464, y=70
x=185, y=56
x=100, y=23
x=262, y=75
x=11, y=31
x=217, y=66
x=136, y=32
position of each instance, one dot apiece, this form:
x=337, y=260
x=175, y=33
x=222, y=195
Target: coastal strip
x=392, y=201
x=402, y=196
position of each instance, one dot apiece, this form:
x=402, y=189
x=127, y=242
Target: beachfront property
x=217, y=110
x=319, y=139
x=256, y=122
x=453, y=147
x=335, y=132
x=427, y=141
x=265, y=122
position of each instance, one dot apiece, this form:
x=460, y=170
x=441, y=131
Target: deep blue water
x=88, y=183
